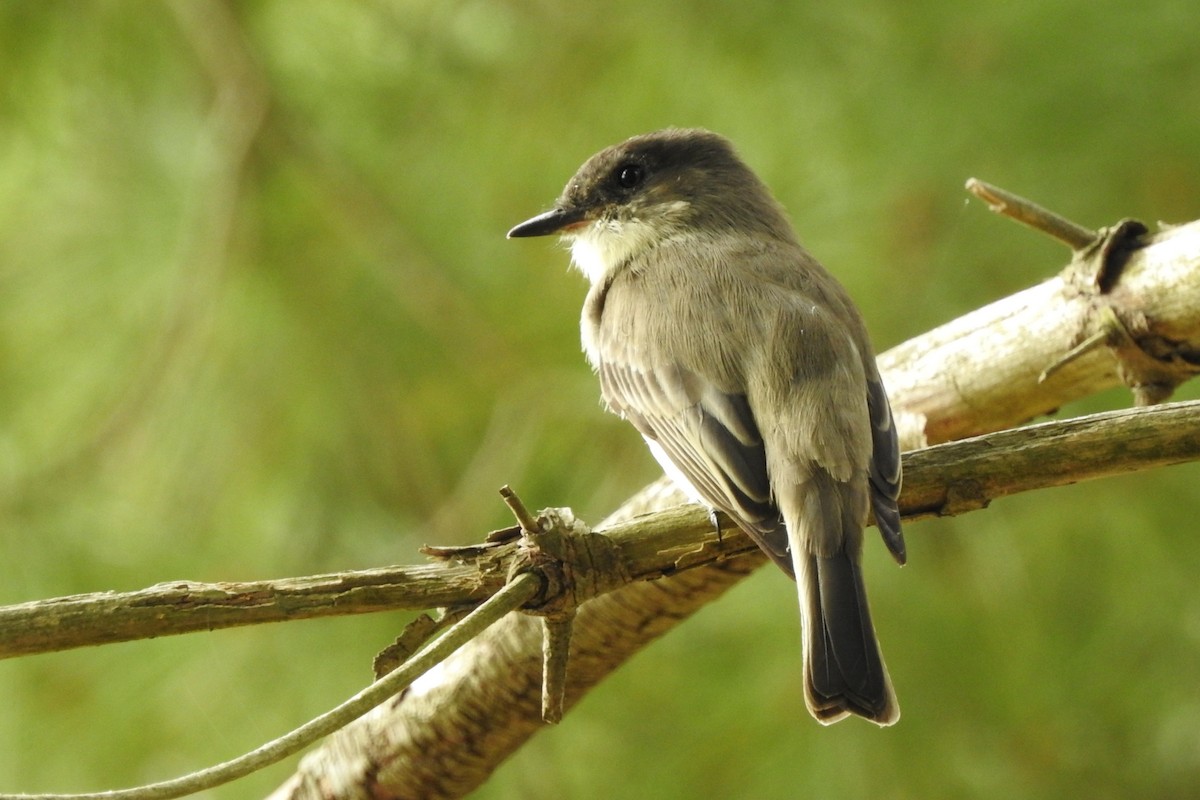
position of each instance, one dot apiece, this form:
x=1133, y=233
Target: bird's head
x=634, y=195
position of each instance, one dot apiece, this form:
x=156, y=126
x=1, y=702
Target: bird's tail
x=844, y=671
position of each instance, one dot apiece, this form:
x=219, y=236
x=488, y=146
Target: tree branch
x=1124, y=309
x=944, y=480
x=188, y=606
x=511, y=597
x=1018, y=208
x=980, y=373
x=984, y=371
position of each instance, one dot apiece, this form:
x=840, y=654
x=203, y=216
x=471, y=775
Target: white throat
x=603, y=246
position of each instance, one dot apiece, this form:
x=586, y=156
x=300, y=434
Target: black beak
x=549, y=222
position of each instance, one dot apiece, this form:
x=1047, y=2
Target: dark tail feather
x=844, y=672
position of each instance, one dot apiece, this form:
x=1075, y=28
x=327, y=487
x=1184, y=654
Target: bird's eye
x=629, y=176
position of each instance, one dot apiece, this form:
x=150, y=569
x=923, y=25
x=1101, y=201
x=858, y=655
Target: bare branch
x=1005, y=202
x=944, y=480
x=984, y=371
x=187, y=606
x=974, y=375
x=1127, y=309
x=512, y=596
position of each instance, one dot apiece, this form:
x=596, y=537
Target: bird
x=749, y=372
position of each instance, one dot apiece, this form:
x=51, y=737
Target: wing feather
x=712, y=439
x=885, y=469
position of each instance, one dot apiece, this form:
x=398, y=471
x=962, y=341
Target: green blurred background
x=258, y=318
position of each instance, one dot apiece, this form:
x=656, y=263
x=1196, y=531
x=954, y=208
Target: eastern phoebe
x=748, y=371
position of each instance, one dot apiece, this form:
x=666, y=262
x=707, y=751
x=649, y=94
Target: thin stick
x=515, y=594
x=176, y=607
x=1016, y=207
x=528, y=522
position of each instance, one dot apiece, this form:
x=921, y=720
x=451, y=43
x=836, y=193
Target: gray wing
x=711, y=437
x=885, y=468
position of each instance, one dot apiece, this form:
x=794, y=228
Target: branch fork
x=1148, y=363
x=574, y=565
